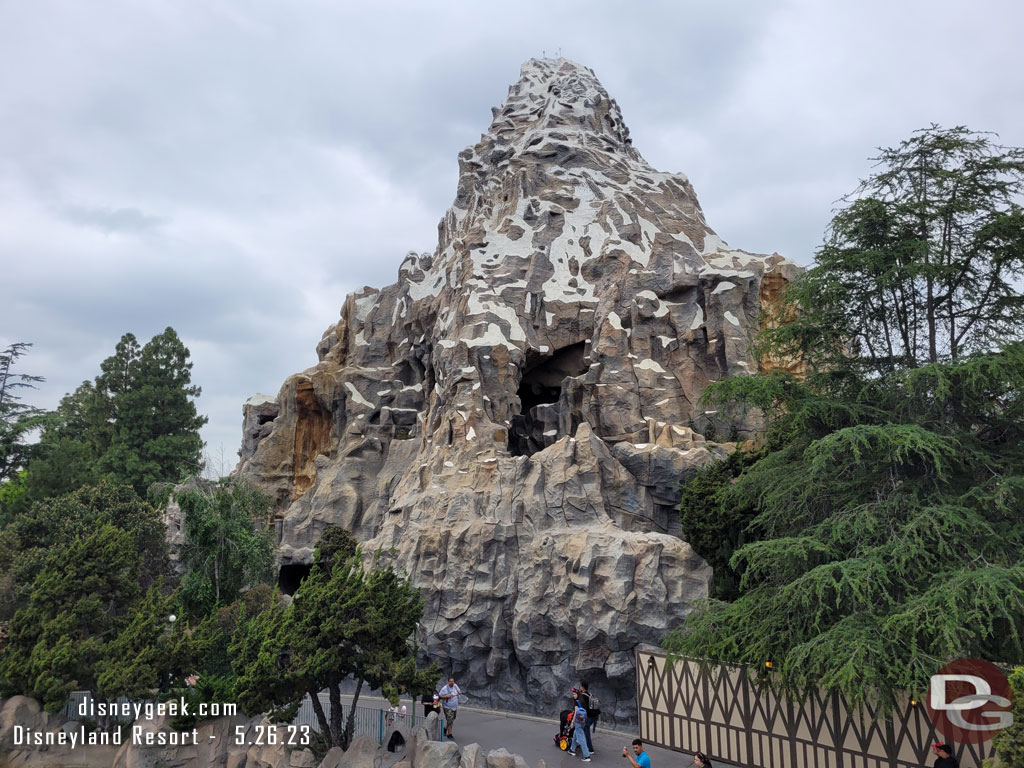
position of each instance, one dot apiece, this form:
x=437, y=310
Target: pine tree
x=885, y=513
x=155, y=426
x=16, y=418
x=347, y=623
x=136, y=423
x=922, y=266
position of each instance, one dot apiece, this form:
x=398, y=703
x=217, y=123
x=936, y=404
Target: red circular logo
x=969, y=701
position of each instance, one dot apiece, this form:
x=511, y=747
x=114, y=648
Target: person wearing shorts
x=449, y=696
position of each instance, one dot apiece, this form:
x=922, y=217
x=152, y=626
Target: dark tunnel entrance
x=539, y=390
x=291, y=575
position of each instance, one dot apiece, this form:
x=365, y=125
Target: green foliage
x=887, y=534
x=76, y=571
x=73, y=438
x=349, y=622
x=1009, y=743
x=202, y=653
x=156, y=427
x=138, y=659
x=17, y=420
x=883, y=521
x=228, y=542
x=923, y=265
x=137, y=423
x=56, y=523
x=888, y=527
x=13, y=497
x=77, y=602
x=713, y=530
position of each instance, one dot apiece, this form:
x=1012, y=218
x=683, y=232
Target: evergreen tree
x=1009, y=743
x=137, y=423
x=922, y=266
x=77, y=601
x=56, y=523
x=139, y=659
x=16, y=418
x=84, y=597
x=155, y=426
x=886, y=510
x=70, y=444
x=347, y=623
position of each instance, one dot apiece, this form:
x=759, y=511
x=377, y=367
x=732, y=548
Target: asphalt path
x=533, y=738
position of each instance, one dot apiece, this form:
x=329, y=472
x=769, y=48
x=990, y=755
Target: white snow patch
x=649, y=365
x=365, y=304
x=470, y=433
x=492, y=338
x=698, y=320
x=615, y=321
x=357, y=395
x=723, y=287
x=731, y=318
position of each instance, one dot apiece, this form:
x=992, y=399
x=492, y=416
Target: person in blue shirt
x=643, y=760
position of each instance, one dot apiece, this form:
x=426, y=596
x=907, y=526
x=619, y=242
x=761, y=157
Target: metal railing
x=372, y=721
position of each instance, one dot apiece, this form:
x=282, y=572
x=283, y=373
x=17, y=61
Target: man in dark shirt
x=945, y=756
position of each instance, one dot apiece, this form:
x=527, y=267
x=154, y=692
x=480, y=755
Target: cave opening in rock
x=539, y=390
x=291, y=575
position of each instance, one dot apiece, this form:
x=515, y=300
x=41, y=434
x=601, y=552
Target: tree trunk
x=342, y=736
x=350, y=726
x=318, y=708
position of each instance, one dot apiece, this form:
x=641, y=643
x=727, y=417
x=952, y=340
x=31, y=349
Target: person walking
x=643, y=760
x=589, y=702
x=449, y=696
x=579, y=733
x=701, y=760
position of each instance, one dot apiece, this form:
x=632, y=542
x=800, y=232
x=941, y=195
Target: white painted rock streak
x=513, y=416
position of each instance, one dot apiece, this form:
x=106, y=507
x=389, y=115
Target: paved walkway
x=532, y=737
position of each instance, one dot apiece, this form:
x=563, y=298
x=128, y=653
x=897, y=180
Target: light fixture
x=768, y=665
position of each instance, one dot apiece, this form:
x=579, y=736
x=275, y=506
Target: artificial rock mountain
x=509, y=422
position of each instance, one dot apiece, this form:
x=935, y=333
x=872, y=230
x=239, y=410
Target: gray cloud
x=111, y=219
x=234, y=168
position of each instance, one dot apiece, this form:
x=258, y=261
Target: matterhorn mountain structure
x=509, y=422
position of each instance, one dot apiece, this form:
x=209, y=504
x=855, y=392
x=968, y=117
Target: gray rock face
x=512, y=418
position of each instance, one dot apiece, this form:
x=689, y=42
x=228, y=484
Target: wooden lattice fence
x=716, y=708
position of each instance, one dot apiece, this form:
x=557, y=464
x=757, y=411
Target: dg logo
x=969, y=701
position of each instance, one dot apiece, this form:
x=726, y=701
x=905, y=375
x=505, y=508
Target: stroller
x=564, y=735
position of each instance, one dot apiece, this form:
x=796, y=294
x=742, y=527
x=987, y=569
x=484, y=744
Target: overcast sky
x=234, y=169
